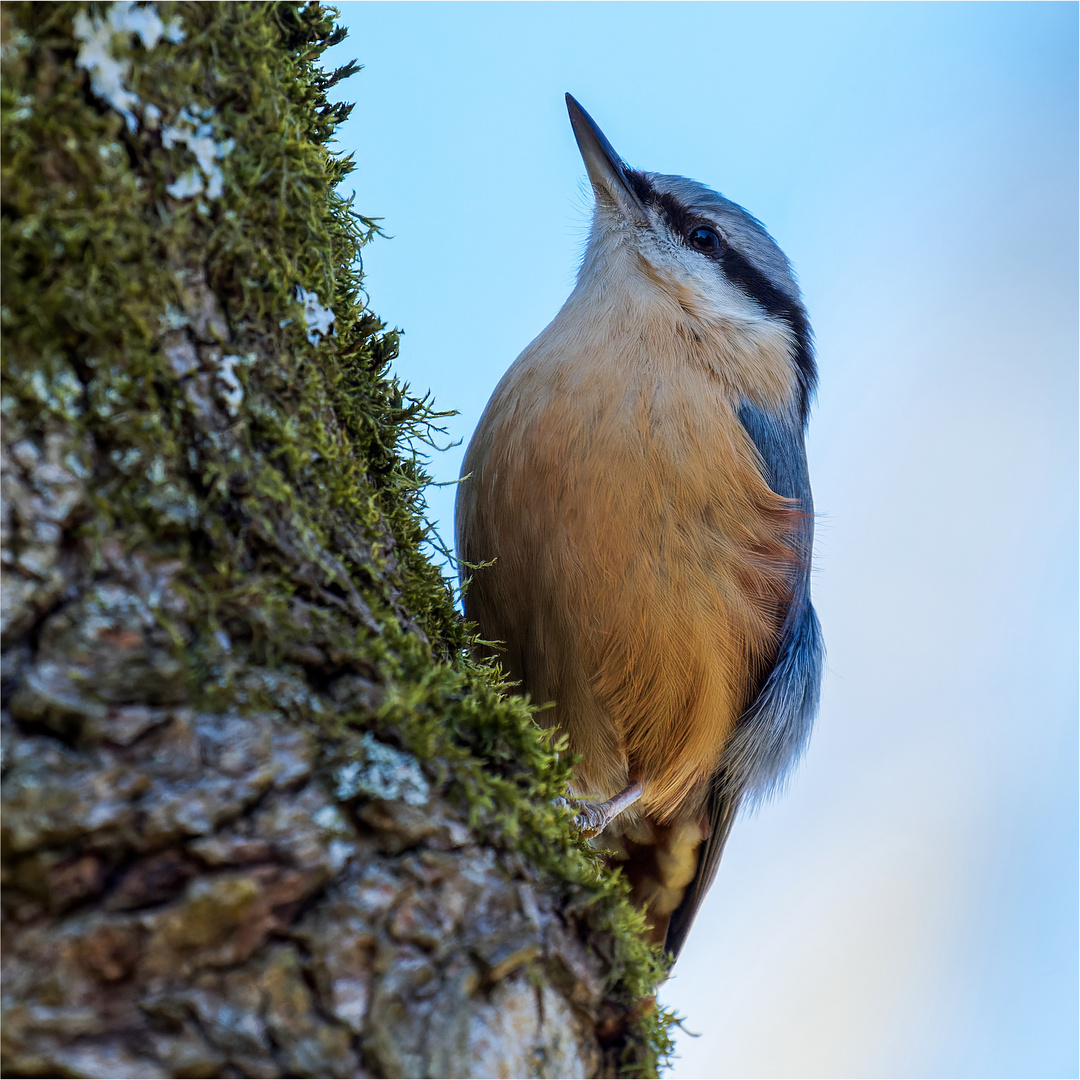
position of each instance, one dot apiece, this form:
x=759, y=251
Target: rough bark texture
x=262, y=814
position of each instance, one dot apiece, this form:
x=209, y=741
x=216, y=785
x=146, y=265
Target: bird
x=635, y=522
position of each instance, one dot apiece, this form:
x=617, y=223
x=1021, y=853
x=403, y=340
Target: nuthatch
x=638, y=485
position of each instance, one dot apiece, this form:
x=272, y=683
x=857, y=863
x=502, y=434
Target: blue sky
x=909, y=908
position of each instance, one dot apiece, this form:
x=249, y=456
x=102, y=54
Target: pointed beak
x=607, y=171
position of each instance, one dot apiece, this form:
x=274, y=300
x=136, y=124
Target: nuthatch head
x=638, y=484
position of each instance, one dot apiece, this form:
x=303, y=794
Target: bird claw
x=592, y=818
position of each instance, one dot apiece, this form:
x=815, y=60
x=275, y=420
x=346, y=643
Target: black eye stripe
x=677, y=216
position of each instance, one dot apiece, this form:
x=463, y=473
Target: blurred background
x=909, y=908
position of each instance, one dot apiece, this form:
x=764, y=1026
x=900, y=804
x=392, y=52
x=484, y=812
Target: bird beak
x=607, y=171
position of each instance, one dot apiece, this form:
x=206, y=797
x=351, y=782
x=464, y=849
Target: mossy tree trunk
x=263, y=816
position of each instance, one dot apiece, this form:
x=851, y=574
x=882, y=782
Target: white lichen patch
x=318, y=320
x=331, y=820
x=143, y=19
x=24, y=107
x=100, y=37
x=60, y=393
x=233, y=393
x=14, y=44
x=173, y=318
x=106, y=71
x=186, y=185
x=197, y=134
x=385, y=773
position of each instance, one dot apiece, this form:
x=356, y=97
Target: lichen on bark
x=263, y=814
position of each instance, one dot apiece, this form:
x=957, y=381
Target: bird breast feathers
x=622, y=492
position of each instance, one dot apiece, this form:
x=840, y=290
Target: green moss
x=298, y=519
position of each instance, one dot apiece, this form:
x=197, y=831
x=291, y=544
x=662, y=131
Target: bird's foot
x=593, y=818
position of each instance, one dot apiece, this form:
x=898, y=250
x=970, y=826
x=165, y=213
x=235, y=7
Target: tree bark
x=263, y=815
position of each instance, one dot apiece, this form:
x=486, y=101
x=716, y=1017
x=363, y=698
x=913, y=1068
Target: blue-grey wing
x=774, y=730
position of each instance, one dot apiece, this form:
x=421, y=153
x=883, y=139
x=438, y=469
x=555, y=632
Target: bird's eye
x=704, y=240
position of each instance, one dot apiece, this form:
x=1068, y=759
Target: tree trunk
x=263, y=815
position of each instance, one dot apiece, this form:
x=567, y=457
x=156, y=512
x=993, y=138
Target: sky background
x=909, y=908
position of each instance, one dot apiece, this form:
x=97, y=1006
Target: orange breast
x=642, y=564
